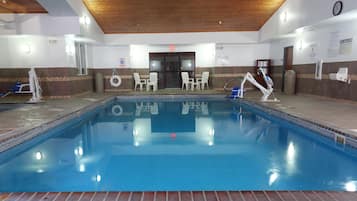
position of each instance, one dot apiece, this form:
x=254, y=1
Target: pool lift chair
x=266, y=91
x=33, y=87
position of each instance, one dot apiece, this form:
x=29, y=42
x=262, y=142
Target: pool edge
x=187, y=196
x=21, y=136
x=314, y=125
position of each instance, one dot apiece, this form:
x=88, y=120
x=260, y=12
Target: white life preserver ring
x=117, y=110
x=115, y=81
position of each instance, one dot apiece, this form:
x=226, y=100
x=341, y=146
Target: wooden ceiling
x=165, y=16
x=21, y=6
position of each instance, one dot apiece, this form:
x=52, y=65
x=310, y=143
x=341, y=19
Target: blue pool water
x=178, y=145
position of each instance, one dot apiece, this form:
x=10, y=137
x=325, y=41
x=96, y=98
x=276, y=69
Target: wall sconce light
x=85, y=20
x=26, y=49
x=284, y=16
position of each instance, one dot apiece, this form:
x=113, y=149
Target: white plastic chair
x=139, y=82
x=154, y=109
x=204, y=108
x=139, y=108
x=186, y=81
x=204, y=80
x=152, y=82
x=195, y=84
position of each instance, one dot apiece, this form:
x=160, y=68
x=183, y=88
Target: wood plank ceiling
x=21, y=6
x=164, y=16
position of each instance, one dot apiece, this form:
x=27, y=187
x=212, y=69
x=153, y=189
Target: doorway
x=170, y=65
x=287, y=63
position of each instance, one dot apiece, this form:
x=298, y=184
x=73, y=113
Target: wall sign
x=346, y=46
x=122, y=62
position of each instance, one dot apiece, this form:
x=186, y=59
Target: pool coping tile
x=200, y=196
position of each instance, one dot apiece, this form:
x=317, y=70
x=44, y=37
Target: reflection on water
x=154, y=121
x=172, y=145
x=351, y=186
x=291, y=158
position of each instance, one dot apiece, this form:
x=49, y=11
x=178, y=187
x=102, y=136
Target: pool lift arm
x=35, y=87
x=266, y=91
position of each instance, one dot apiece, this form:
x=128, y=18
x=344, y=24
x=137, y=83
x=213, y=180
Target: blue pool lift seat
x=18, y=88
x=235, y=93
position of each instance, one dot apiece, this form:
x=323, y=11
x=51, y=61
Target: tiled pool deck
x=338, y=114
x=15, y=122
x=185, y=196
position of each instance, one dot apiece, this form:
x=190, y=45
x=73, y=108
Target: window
x=81, y=58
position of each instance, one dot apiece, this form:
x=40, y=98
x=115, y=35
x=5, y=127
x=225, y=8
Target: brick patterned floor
x=186, y=196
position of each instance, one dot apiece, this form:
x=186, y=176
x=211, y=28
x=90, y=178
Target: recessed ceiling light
x=220, y=22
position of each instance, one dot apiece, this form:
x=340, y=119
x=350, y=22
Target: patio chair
x=138, y=81
x=204, y=80
x=152, y=82
x=186, y=81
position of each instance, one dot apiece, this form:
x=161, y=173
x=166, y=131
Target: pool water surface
x=177, y=145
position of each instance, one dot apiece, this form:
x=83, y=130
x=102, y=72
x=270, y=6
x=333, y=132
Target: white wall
x=92, y=30
x=207, y=54
x=137, y=56
x=321, y=40
x=54, y=25
x=183, y=38
x=38, y=24
x=301, y=13
x=6, y=24
x=109, y=56
x=241, y=54
x=38, y=51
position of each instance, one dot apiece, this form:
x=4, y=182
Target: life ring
x=115, y=81
x=117, y=110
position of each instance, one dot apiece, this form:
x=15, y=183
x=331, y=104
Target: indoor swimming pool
x=186, y=144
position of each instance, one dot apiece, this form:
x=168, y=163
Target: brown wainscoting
x=306, y=83
x=218, y=76
x=126, y=75
x=55, y=82
x=276, y=73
